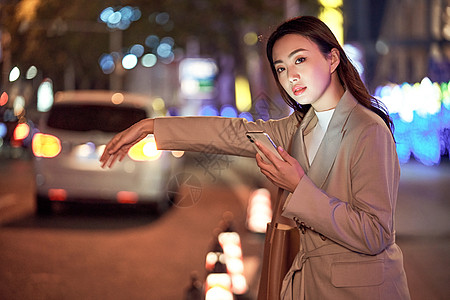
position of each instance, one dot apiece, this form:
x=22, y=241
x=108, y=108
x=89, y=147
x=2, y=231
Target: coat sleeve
x=218, y=134
x=364, y=221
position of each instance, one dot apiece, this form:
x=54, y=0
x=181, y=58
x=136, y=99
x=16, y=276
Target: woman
x=341, y=174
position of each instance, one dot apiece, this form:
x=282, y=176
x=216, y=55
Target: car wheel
x=43, y=206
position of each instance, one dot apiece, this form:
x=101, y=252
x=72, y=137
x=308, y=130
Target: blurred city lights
x=152, y=41
x=120, y=18
x=117, y=98
x=45, y=96
x=14, y=74
x=129, y=61
x=218, y=286
x=356, y=56
x=232, y=250
x=228, y=111
x=3, y=99
x=164, y=50
x=246, y=115
x=209, y=110
x=177, y=154
x=21, y=131
x=19, y=105
x=331, y=15
x=250, y=38
x=259, y=211
x=137, y=50
x=3, y=130
x=149, y=60
x=197, y=77
x=106, y=62
x=381, y=47
x=84, y=151
x=46, y=145
x=158, y=104
x=145, y=150
x=331, y=3
x=243, y=95
x=31, y=72
x=421, y=116
x=162, y=18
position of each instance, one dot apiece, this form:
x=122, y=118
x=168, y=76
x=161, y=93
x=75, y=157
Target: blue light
x=106, y=62
x=228, y=111
x=152, y=41
x=3, y=130
x=208, y=110
x=104, y=15
x=421, y=119
x=137, y=50
x=246, y=115
x=164, y=50
x=162, y=18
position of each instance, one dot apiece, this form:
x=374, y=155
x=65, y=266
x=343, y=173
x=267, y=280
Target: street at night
x=145, y=147
x=94, y=252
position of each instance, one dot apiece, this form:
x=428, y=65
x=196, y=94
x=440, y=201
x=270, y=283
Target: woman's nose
x=294, y=77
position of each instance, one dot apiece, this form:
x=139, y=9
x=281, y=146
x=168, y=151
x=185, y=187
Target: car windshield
x=84, y=117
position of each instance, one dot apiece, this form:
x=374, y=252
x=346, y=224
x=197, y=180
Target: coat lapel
x=298, y=142
x=329, y=147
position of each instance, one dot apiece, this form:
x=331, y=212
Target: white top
x=314, y=138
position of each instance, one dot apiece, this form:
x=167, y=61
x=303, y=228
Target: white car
x=71, y=138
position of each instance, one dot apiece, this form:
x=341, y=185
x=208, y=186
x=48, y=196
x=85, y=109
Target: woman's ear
x=335, y=59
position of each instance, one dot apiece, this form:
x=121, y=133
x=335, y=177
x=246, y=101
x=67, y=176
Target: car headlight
x=145, y=150
x=46, y=145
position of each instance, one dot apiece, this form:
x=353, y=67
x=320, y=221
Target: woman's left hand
x=284, y=174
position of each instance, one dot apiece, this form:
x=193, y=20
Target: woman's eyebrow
x=291, y=54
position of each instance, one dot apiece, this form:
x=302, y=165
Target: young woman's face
x=304, y=72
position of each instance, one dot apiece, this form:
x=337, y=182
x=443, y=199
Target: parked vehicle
x=71, y=138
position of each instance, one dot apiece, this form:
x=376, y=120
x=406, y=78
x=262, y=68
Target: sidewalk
x=423, y=229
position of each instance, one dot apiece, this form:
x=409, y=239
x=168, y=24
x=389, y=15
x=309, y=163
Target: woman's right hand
x=119, y=145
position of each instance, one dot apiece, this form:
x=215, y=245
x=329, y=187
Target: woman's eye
x=280, y=69
x=300, y=60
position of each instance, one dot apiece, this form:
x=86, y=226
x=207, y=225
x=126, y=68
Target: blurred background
x=191, y=57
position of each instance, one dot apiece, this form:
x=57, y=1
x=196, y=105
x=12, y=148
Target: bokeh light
x=3, y=99
x=106, y=62
x=420, y=117
x=120, y=18
x=209, y=110
x=14, y=74
x=21, y=131
x=31, y=72
x=152, y=41
x=149, y=60
x=129, y=61
x=19, y=105
x=243, y=95
x=137, y=50
x=250, y=38
x=45, y=96
x=117, y=98
x=158, y=104
x=228, y=111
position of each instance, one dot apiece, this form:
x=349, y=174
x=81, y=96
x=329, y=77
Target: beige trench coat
x=344, y=204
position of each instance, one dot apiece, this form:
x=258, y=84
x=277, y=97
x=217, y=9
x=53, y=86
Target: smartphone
x=265, y=140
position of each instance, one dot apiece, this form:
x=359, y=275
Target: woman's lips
x=298, y=90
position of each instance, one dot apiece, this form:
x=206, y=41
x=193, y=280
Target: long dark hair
x=319, y=33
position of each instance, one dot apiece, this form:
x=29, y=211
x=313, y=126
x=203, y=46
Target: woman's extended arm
x=199, y=134
x=118, y=147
